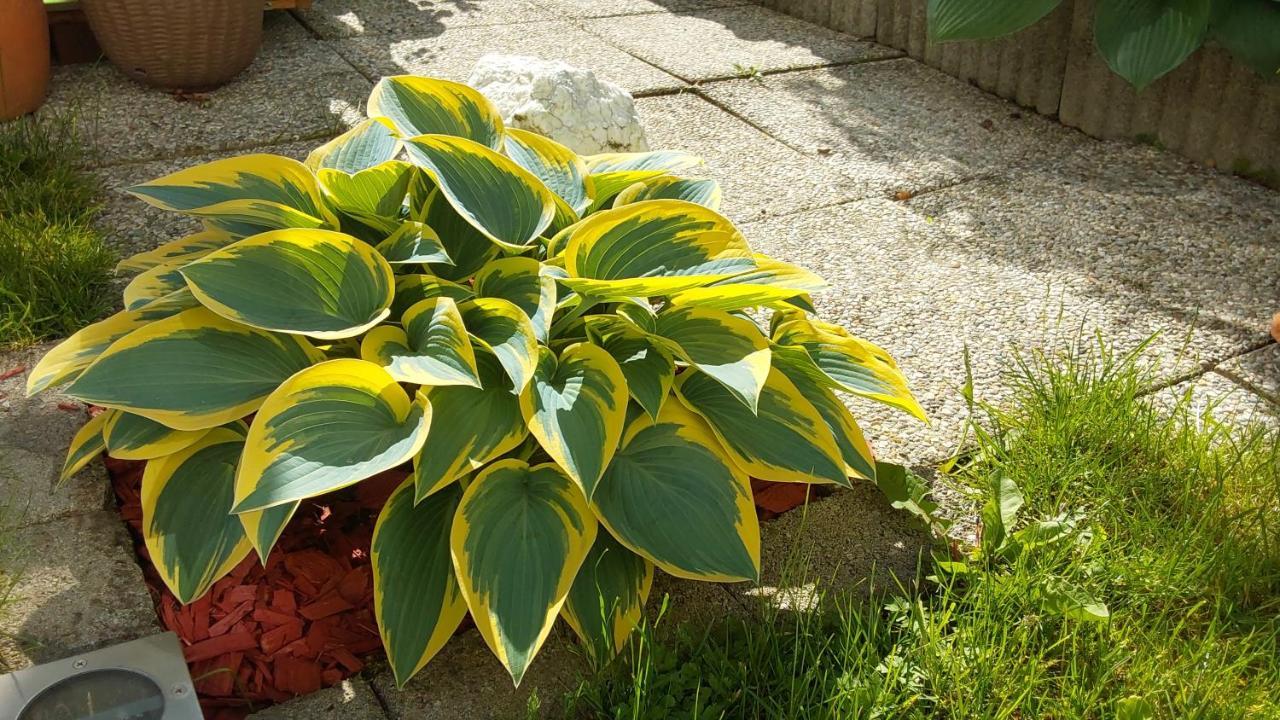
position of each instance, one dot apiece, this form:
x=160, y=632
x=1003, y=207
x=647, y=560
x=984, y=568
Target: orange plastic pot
x=24, y=57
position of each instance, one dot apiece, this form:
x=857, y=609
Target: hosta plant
x=564, y=349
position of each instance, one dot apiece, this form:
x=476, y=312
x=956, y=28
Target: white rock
x=567, y=104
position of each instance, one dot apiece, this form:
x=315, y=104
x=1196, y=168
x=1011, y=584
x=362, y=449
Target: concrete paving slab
x=1215, y=395
x=34, y=436
x=351, y=699
x=79, y=588
x=895, y=125
x=1190, y=244
x=452, y=55
x=732, y=42
x=1258, y=371
x=296, y=88
x=466, y=681
x=350, y=18
x=610, y=8
x=132, y=226
x=847, y=544
x=759, y=176
x=927, y=281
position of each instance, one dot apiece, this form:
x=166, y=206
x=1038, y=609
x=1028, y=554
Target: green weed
x=1139, y=577
x=54, y=266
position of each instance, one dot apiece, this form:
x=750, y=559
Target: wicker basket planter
x=178, y=44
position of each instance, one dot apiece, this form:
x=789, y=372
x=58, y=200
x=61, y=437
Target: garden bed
x=305, y=621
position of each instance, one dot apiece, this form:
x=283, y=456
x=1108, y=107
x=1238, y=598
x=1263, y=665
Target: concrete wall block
x=815, y=11
x=856, y=17
x=1211, y=108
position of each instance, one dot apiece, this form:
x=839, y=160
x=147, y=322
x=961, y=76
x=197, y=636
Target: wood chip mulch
x=304, y=621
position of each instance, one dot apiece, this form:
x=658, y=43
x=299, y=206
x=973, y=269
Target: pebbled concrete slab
x=1139, y=228
x=939, y=276
x=610, y=8
x=79, y=588
x=296, y=88
x=895, y=125
x=759, y=176
x=466, y=681
x=852, y=542
x=732, y=42
x=351, y=699
x=1259, y=371
x=1218, y=396
x=451, y=55
x=350, y=18
x=133, y=226
x=34, y=435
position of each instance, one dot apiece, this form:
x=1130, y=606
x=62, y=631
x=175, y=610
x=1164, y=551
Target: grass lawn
x=54, y=267
x=1129, y=568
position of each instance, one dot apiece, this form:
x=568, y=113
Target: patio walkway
x=947, y=220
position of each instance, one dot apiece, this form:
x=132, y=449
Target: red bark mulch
x=305, y=621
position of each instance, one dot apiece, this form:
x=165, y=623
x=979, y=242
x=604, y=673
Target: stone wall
x=1211, y=109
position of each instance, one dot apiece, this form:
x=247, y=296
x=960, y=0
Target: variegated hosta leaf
x=607, y=599
x=153, y=284
x=313, y=282
x=327, y=427
x=264, y=527
x=852, y=364
x=190, y=533
x=647, y=367
x=134, y=437
x=859, y=460
x=371, y=142
x=429, y=106
x=192, y=371
x=468, y=248
x=558, y=167
x=667, y=161
x=178, y=252
x=503, y=328
x=670, y=187
x=432, y=349
x=262, y=191
x=373, y=195
x=771, y=283
x=415, y=593
x=672, y=496
x=87, y=444
x=69, y=357
x=481, y=424
x=515, y=586
x=506, y=203
x=411, y=289
x=786, y=440
x=657, y=247
x=414, y=242
x=605, y=186
x=576, y=407
x=728, y=348
x=521, y=281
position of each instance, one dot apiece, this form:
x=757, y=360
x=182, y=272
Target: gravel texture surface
x=452, y=55
x=296, y=88
x=1216, y=394
x=759, y=176
x=349, y=18
x=928, y=284
x=79, y=588
x=1259, y=371
x=34, y=435
x=896, y=125
x=732, y=42
x=609, y=8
